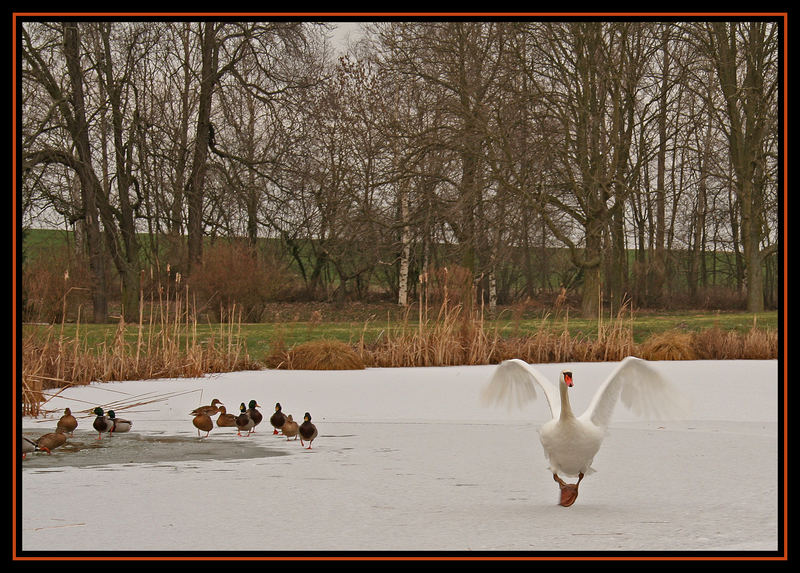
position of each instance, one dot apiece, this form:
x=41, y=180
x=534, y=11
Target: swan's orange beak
x=568, y=379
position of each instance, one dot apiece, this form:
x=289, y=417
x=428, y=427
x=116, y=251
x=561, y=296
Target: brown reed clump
x=760, y=344
x=321, y=355
x=669, y=345
x=717, y=344
x=454, y=337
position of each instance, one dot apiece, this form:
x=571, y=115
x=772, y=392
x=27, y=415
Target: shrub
x=54, y=286
x=452, y=285
x=234, y=280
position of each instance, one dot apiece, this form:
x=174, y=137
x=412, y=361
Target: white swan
x=570, y=442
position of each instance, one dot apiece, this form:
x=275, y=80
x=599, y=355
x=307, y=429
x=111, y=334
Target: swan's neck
x=566, y=409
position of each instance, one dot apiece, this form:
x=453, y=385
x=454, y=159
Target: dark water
x=85, y=450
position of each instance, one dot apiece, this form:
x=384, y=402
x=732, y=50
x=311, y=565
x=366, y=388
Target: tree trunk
x=405, y=253
x=660, y=255
x=592, y=268
x=747, y=109
x=80, y=136
x=125, y=258
x=195, y=185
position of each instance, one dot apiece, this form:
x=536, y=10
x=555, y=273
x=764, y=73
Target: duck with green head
x=102, y=423
x=278, y=419
x=118, y=424
x=254, y=414
x=243, y=421
x=308, y=431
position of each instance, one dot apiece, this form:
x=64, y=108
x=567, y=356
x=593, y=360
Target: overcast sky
x=343, y=31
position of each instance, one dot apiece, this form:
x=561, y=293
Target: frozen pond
x=85, y=450
x=408, y=460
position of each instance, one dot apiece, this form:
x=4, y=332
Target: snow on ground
x=407, y=460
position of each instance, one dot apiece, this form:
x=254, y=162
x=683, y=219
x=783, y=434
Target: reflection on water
x=84, y=450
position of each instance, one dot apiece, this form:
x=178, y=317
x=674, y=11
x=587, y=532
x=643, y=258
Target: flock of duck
x=249, y=417
x=246, y=421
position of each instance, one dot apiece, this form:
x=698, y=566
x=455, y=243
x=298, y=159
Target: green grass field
x=259, y=337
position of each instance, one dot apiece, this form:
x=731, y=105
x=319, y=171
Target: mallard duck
x=51, y=441
x=308, y=431
x=203, y=422
x=254, y=414
x=290, y=428
x=278, y=419
x=67, y=422
x=243, y=421
x=118, y=424
x=570, y=443
x=28, y=446
x=225, y=420
x=102, y=423
x=211, y=410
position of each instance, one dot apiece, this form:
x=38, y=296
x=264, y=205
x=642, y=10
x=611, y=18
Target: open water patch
x=85, y=450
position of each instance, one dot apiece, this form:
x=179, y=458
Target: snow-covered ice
x=407, y=460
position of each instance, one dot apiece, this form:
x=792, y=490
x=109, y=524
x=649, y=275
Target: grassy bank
x=168, y=341
x=369, y=323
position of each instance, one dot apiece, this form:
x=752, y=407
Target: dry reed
x=167, y=345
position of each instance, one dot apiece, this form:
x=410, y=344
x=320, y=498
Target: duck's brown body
x=102, y=423
x=204, y=423
x=278, y=419
x=210, y=410
x=67, y=423
x=244, y=423
x=291, y=428
x=307, y=430
x=225, y=420
x=50, y=442
x=254, y=414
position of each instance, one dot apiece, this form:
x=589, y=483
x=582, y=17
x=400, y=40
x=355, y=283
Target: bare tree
x=76, y=152
x=745, y=56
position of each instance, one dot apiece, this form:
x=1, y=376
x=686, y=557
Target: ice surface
x=407, y=460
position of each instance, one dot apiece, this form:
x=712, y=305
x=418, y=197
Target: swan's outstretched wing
x=642, y=390
x=514, y=383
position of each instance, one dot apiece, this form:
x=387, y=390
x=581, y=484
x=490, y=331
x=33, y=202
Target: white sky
x=343, y=31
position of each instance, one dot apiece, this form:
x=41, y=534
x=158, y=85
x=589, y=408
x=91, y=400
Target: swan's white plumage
x=514, y=384
x=642, y=390
x=570, y=443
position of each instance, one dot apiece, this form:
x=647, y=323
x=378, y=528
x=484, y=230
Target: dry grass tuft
x=717, y=344
x=321, y=355
x=760, y=344
x=669, y=345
